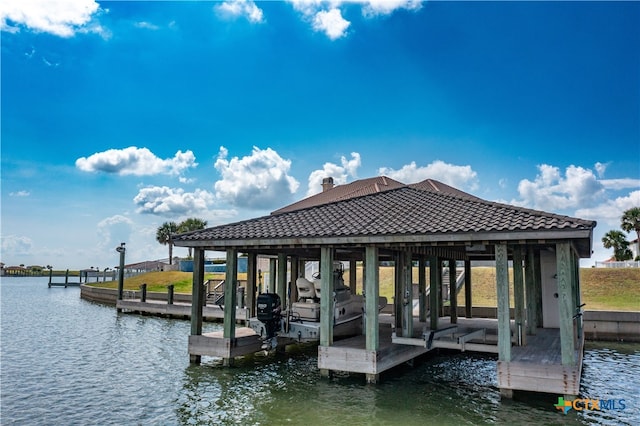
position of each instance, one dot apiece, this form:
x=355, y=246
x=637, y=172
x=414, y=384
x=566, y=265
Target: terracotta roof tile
x=401, y=211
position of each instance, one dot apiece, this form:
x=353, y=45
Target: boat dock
x=176, y=309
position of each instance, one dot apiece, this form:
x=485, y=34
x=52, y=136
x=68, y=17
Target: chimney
x=327, y=184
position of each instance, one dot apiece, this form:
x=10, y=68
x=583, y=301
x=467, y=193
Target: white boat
x=301, y=321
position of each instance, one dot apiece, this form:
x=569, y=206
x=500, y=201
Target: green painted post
x=530, y=285
x=566, y=305
x=434, y=285
x=453, y=292
x=272, y=276
x=397, y=291
x=353, y=276
x=422, y=289
x=576, y=295
x=502, y=284
x=518, y=296
x=468, y=303
x=406, y=282
x=197, y=295
x=282, y=279
x=326, y=296
x=440, y=288
x=537, y=273
x=372, y=293
x=252, y=280
x=230, y=288
x=295, y=273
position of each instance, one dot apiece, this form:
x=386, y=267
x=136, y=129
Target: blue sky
x=118, y=116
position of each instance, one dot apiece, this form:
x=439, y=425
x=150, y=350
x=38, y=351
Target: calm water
x=68, y=361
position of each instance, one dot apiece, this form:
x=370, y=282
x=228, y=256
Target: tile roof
x=404, y=211
x=358, y=188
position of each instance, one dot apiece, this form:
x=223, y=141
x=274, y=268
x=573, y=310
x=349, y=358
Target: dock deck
x=177, y=309
x=351, y=355
x=535, y=367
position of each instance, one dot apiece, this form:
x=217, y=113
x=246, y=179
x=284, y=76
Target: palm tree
x=191, y=224
x=163, y=235
x=618, y=241
x=631, y=222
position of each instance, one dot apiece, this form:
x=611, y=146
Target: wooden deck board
x=178, y=309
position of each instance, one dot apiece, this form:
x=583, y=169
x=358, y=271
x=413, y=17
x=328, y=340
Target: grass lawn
x=616, y=289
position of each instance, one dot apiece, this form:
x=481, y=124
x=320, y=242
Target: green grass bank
x=606, y=289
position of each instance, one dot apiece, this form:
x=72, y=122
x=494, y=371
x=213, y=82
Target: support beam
x=197, y=297
x=422, y=288
x=353, y=275
x=577, y=300
x=530, y=285
x=252, y=282
x=440, y=288
x=295, y=273
x=565, y=303
x=230, y=299
x=230, y=290
x=453, y=292
x=272, y=276
x=518, y=296
x=537, y=273
x=434, y=286
x=326, y=296
x=407, y=294
x=371, y=292
x=502, y=284
x=468, y=304
x=398, y=293
x=282, y=279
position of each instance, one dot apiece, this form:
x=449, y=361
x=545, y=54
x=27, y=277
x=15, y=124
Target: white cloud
x=114, y=230
x=551, y=191
x=461, y=177
x=146, y=25
x=136, y=161
x=171, y=202
x=331, y=23
x=340, y=174
x=13, y=245
x=620, y=183
x=601, y=168
x=327, y=16
x=20, y=194
x=60, y=17
x=610, y=212
x=372, y=8
x=259, y=180
x=240, y=8
x=579, y=193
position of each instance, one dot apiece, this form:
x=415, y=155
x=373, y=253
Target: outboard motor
x=269, y=309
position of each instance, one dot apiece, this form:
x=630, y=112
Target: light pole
x=121, y=250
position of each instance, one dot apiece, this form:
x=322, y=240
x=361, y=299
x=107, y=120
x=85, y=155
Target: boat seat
x=306, y=289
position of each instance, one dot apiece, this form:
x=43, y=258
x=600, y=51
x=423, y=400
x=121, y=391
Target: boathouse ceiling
x=427, y=218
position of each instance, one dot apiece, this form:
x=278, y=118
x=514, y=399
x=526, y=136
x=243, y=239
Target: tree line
x=165, y=232
x=617, y=240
